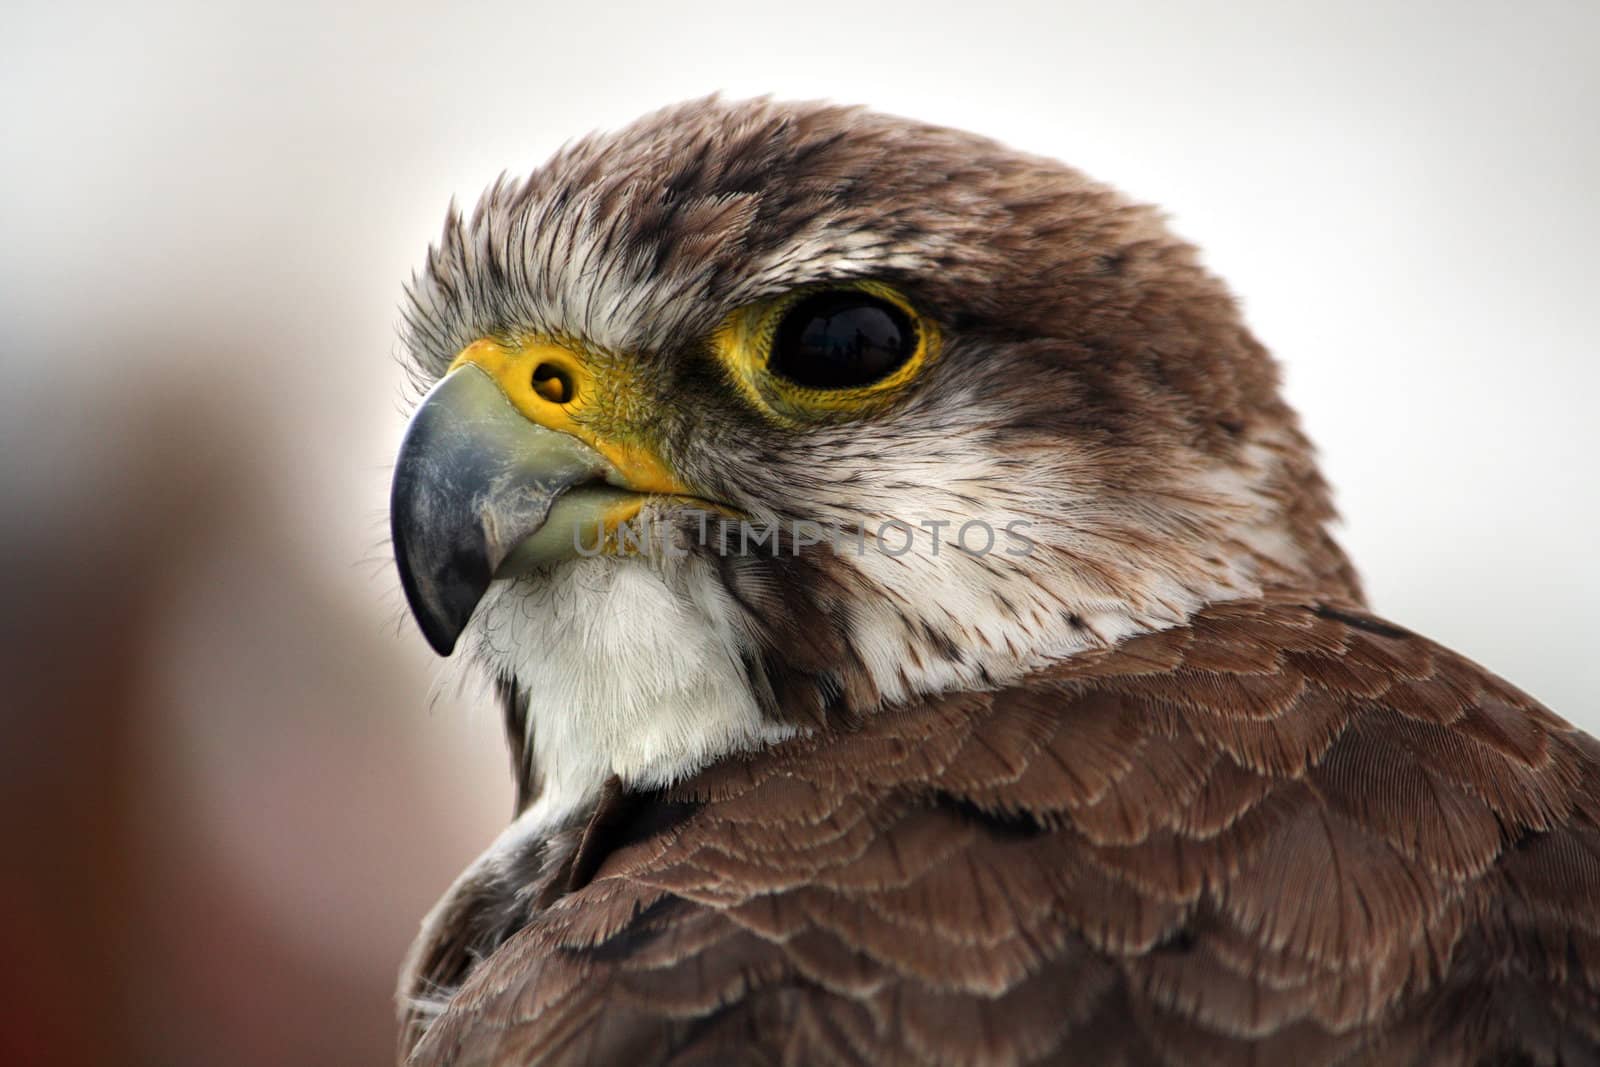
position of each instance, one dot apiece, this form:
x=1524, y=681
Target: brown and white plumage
x=1160, y=791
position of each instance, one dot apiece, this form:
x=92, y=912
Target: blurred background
x=232, y=781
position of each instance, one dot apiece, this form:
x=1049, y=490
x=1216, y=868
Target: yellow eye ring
x=744, y=342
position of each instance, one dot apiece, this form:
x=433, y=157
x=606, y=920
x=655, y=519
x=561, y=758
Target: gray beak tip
x=441, y=602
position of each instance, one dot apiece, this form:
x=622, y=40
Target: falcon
x=920, y=640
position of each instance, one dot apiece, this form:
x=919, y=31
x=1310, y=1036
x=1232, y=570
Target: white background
x=1404, y=199
x=207, y=210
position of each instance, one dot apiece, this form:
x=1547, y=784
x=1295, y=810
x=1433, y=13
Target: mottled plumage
x=1160, y=791
x=1286, y=833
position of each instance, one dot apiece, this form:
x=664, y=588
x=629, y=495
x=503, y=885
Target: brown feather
x=1280, y=866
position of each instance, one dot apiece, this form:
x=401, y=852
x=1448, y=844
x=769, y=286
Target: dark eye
x=841, y=340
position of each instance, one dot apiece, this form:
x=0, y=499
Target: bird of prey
x=920, y=641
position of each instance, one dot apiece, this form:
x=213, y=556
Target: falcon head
x=753, y=414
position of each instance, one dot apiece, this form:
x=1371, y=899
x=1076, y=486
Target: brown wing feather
x=1287, y=833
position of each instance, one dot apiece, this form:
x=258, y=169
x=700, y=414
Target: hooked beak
x=477, y=483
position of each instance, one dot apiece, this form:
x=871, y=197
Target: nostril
x=553, y=383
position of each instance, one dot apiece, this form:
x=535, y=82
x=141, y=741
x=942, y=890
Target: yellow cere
x=588, y=395
x=743, y=343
